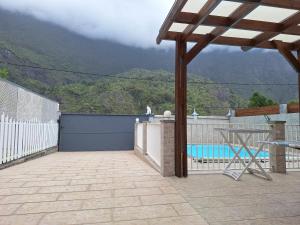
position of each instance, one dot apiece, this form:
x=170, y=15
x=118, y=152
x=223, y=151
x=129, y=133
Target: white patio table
x=244, y=135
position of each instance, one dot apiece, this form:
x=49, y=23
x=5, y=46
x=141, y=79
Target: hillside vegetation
x=139, y=89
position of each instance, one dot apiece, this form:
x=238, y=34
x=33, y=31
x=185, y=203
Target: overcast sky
x=130, y=22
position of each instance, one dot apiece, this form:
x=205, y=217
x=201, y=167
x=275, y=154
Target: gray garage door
x=88, y=132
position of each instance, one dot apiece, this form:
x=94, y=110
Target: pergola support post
x=292, y=60
x=298, y=55
x=181, y=110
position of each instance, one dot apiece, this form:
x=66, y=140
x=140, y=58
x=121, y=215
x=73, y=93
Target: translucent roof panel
x=193, y=6
x=286, y=38
x=238, y=33
x=270, y=14
x=225, y=8
x=204, y=29
x=178, y=27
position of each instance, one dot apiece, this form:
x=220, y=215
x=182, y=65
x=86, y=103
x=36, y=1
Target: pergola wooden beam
x=171, y=36
x=219, y=21
x=293, y=60
x=235, y=17
x=288, y=55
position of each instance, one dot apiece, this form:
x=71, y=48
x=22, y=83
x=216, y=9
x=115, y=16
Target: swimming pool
x=220, y=152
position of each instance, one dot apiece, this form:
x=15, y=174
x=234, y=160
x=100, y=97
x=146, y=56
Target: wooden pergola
x=266, y=24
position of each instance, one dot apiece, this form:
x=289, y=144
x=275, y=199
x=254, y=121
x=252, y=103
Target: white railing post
x=20, y=140
x=9, y=147
x=5, y=139
x=1, y=138
x=16, y=138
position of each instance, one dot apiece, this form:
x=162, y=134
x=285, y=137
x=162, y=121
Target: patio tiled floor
x=116, y=188
x=222, y=201
x=99, y=188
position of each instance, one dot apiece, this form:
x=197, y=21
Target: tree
x=4, y=73
x=259, y=100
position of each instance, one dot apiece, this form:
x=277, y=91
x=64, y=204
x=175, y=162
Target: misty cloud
x=130, y=22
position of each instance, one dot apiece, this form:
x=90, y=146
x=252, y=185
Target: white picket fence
x=22, y=138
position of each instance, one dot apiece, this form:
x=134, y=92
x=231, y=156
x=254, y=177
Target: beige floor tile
x=142, y=184
x=137, y=192
x=162, y=199
x=11, y=184
x=60, y=189
x=8, y=209
x=41, y=207
x=46, y=183
x=85, y=195
x=109, y=186
x=111, y=202
x=143, y=212
x=183, y=220
x=91, y=181
x=137, y=178
x=35, y=179
x=77, y=217
x=18, y=191
x=28, y=198
x=184, y=209
x=249, y=212
x=268, y=221
x=31, y=219
x=132, y=222
x=168, y=190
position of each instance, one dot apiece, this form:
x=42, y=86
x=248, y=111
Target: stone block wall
x=167, y=148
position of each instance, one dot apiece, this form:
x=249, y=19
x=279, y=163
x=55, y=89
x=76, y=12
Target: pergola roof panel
x=286, y=38
x=270, y=14
x=245, y=23
x=193, y=6
x=225, y=8
x=204, y=29
x=238, y=33
x=178, y=27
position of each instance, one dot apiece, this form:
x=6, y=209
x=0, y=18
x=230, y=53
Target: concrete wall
x=139, y=135
x=22, y=104
x=154, y=141
x=290, y=118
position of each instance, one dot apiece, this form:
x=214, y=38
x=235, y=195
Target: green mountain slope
x=139, y=89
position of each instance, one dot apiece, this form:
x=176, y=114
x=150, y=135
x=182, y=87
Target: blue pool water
x=219, y=152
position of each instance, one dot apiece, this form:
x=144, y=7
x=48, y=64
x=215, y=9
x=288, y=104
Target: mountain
x=26, y=40
x=131, y=92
